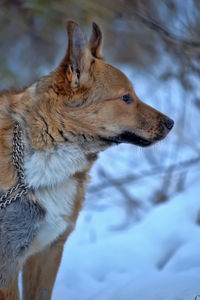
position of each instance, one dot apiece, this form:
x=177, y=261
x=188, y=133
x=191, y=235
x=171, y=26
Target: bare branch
x=144, y=174
x=167, y=35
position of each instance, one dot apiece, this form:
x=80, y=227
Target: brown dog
x=67, y=117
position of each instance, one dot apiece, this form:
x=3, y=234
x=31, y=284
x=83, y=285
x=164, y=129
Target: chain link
x=18, y=161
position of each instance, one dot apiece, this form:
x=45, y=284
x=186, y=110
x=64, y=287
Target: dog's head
x=94, y=102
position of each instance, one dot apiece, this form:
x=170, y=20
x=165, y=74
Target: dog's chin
x=130, y=138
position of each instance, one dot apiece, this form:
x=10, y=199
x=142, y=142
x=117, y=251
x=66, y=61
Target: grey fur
x=19, y=223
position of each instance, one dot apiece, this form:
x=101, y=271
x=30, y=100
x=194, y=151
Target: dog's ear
x=96, y=40
x=78, y=55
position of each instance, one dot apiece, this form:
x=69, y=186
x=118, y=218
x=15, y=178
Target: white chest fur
x=46, y=168
x=58, y=203
x=48, y=173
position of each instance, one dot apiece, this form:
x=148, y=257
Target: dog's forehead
x=113, y=78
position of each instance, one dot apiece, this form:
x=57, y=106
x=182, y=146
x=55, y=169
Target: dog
x=66, y=118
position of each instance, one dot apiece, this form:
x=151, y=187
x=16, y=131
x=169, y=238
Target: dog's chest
x=50, y=174
x=58, y=202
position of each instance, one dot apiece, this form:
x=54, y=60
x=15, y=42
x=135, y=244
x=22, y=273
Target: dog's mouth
x=128, y=137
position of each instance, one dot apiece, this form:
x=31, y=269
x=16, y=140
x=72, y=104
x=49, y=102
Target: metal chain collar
x=21, y=188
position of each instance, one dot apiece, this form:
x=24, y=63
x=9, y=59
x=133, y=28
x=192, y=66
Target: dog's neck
x=43, y=168
x=46, y=163
x=53, y=166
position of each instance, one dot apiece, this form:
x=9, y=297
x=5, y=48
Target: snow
x=157, y=258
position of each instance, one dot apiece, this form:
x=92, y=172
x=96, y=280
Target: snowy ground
x=155, y=257
x=158, y=258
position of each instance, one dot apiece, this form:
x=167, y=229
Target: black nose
x=169, y=123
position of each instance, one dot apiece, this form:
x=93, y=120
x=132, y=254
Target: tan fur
x=40, y=271
x=79, y=104
x=11, y=293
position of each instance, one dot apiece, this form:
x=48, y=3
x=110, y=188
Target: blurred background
x=134, y=195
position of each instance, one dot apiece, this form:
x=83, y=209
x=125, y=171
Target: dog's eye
x=127, y=98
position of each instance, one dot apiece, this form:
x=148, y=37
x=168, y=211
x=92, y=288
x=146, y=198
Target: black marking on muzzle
x=128, y=137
